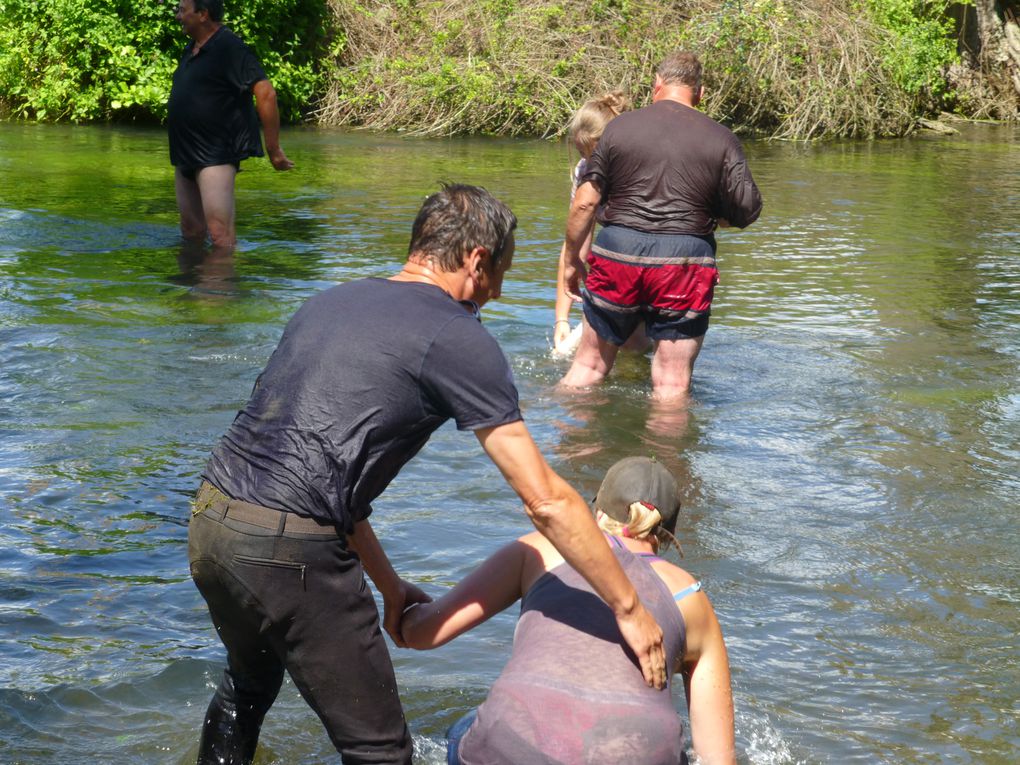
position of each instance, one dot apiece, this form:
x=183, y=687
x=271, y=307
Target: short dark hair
x=458, y=218
x=215, y=8
x=681, y=68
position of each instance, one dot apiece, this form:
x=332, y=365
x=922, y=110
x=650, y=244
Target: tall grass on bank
x=784, y=68
x=510, y=67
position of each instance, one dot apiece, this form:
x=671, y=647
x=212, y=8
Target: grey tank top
x=572, y=691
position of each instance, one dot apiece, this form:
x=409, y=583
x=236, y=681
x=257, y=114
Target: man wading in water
x=280, y=540
x=212, y=124
x=662, y=178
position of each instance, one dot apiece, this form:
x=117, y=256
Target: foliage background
x=91, y=60
x=783, y=68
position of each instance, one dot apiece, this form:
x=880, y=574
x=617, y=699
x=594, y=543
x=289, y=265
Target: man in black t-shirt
x=280, y=537
x=662, y=178
x=212, y=124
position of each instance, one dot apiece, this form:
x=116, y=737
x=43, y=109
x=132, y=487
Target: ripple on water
x=848, y=461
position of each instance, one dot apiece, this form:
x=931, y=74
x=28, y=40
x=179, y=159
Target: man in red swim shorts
x=666, y=176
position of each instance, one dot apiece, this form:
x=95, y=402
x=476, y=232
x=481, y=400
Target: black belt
x=209, y=497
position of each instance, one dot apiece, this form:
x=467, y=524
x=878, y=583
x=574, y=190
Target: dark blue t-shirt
x=365, y=372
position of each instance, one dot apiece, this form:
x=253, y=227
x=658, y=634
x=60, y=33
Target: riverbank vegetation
x=112, y=60
x=782, y=68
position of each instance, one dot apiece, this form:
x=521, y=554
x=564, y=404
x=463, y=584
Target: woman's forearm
x=492, y=587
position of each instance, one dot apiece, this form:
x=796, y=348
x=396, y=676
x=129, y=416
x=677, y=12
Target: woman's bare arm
x=492, y=587
x=707, y=683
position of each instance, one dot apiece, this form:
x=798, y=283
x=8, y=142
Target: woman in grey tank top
x=572, y=691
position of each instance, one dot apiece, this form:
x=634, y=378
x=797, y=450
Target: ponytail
x=643, y=520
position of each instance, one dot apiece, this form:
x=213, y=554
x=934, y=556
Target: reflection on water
x=207, y=269
x=849, y=455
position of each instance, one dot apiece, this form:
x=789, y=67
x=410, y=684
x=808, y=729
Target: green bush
x=784, y=68
x=919, y=47
x=86, y=60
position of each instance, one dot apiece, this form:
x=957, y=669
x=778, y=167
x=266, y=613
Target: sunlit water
x=850, y=460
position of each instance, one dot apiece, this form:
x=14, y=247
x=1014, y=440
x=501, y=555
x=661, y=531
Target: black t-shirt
x=210, y=116
x=669, y=169
x=365, y=372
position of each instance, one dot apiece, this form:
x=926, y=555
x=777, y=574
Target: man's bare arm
x=397, y=594
x=269, y=116
x=579, y=225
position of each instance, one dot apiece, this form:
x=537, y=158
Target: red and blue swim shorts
x=663, y=280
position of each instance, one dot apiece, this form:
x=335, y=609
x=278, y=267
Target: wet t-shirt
x=211, y=119
x=669, y=169
x=365, y=372
x=572, y=691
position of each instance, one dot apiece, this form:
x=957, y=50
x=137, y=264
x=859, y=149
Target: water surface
x=849, y=462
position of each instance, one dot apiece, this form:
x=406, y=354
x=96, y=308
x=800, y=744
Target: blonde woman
x=585, y=130
x=572, y=692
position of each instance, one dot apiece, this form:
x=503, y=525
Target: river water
x=849, y=460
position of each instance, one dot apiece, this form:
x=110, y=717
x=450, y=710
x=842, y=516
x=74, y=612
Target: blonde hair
x=642, y=522
x=593, y=116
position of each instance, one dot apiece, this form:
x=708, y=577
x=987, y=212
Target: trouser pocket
x=270, y=563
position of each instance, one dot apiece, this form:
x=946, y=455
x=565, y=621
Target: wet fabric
x=576, y=175
x=365, y=372
x=671, y=272
x=665, y=281
x=667, y=168
x=572, y=691
x=211, y=119
x=294, y=602
x=455, y=733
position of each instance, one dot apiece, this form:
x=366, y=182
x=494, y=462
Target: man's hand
x=574, y=275
x=269, y=116
x=279, y=160
x=397, y=594
x=644, y=637
x=403, y=598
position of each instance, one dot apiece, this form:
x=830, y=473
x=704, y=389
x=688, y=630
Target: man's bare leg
x=592, y=362
x=216, y=186
x=673, y=366
x=189, y=204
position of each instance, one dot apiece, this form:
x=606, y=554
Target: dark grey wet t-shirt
x=365, y=372
x=211, y=119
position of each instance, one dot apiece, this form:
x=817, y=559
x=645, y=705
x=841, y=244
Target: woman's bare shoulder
x=675, y=577
x=541, y=548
